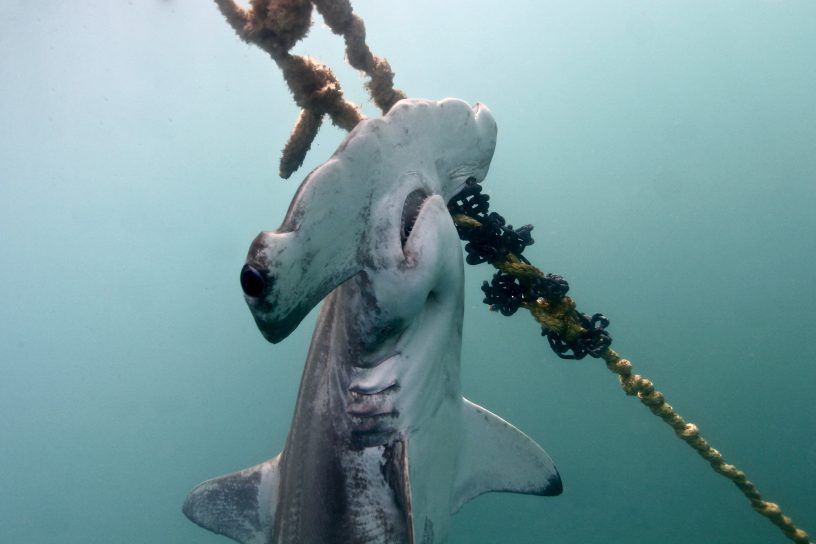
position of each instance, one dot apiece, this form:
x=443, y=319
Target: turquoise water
x=665, y=151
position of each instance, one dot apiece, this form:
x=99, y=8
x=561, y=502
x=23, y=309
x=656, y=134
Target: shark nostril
x=252, y=282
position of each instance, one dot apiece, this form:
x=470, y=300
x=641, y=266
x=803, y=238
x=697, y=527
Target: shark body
x=382, y=448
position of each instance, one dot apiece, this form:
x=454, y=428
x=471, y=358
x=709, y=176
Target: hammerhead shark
x=382, y=448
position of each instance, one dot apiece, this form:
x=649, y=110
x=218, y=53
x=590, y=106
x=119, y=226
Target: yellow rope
x=643, y=389
x=562, y=317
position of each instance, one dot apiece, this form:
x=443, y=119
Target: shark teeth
x=410, y=212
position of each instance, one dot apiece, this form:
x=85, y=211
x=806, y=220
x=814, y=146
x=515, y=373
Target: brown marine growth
x=276, y=26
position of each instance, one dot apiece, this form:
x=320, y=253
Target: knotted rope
x=276, y=26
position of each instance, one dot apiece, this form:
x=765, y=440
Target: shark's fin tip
x=496, y=456
x=240, y=505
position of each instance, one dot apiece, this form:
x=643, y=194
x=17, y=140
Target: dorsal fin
x=496, y=456
x=229, y=505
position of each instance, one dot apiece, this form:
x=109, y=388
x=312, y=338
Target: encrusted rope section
x=276, y=26
x=300, y=141
x=343, y=22
x=558, y=315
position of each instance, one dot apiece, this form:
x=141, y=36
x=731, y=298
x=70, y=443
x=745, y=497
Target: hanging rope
x=276, y=26
x=573, y=335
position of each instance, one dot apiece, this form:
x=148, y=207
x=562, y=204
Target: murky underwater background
x=665, y=152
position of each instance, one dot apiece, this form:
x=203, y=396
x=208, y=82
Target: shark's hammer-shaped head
x=382, y=445
x=377, y=206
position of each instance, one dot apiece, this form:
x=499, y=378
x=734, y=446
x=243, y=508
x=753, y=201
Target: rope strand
x=563, y=318
x=276, y=26
x=644, y=390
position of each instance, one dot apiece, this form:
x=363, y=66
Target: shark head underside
x=367, y=208
x=382, y=446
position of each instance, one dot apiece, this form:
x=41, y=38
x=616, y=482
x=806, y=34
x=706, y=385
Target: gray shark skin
x=382, y=448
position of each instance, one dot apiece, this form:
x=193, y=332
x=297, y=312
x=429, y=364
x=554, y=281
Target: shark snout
x=265, y=291
x=287, y=273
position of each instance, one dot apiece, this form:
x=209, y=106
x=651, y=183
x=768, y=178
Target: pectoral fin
x=240, y=505
x=496, y=456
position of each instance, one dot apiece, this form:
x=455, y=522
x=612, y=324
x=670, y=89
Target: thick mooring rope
x=276, y=26
x=559, y=316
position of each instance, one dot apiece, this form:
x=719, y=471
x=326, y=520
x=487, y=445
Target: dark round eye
x=252, y=282
x=410, y=212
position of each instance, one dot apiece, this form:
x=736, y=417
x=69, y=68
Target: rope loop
x=276, y=26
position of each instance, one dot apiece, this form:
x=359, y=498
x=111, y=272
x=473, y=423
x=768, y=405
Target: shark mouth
x=410, y=212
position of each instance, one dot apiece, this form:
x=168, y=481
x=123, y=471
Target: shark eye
x=410, y=212
x=252, y=282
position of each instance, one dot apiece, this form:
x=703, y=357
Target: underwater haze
x=665, y=152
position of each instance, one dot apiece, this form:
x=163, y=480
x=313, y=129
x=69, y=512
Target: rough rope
x=276, y=26
x=563, y=318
